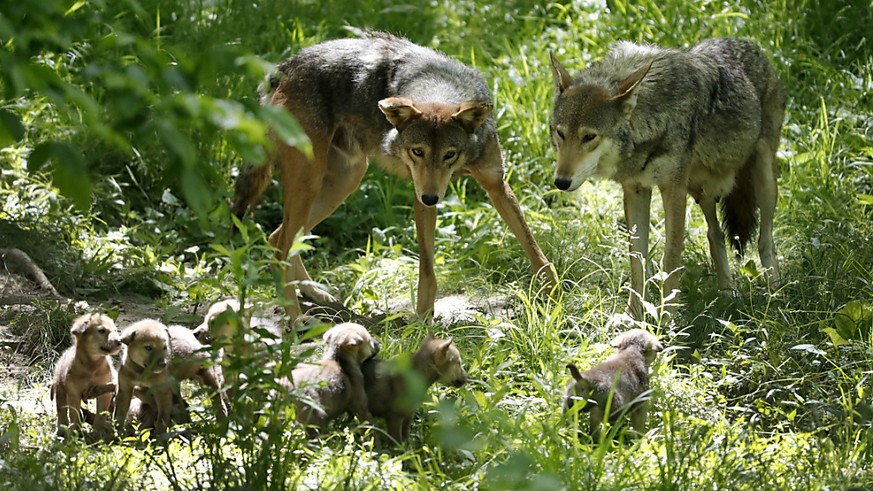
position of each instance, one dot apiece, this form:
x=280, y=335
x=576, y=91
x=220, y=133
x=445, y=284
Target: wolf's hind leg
x=343, y=176
x=766, y=192
x=301, y=180
x=717, y=249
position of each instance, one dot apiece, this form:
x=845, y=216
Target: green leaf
x=196, y=192
x=11, y=129
x=809, y=348
x=69, y=173
x=865, y=199
x=836, y=339
x=854, y=319
x=287, y=128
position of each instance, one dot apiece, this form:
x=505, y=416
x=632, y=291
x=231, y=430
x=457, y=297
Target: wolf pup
x=624, y=377
x=704, y=121
x=156, y=357
x=391, y=395
x=423, y=115
x=336, y=384
x=226, y=322
x=84, y=370
x=143, y=411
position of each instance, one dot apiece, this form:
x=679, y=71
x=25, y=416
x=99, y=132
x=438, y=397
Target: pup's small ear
x=400, y=111
x=353, y=340
x=128, y=336
x=628, y=88
x=328, y=336
x=472, y=114
x=559, y=73
x=574, y=371
x=618, y=342
x=80, y=325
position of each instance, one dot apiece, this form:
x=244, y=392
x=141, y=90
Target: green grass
x=768, y=389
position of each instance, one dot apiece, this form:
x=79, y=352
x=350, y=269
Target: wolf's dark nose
x=562, y=184
x=429, y=199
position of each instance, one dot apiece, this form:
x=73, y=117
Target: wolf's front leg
x=674, y=197
x=637, y=203
x=489, y=175
x=122, y=403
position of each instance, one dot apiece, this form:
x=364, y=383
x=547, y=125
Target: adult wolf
x=423, y=115
x=704, y=121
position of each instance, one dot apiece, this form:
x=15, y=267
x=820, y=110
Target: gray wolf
x=335, y=385
x=82, y=368
x=156, y=357
x=395, y=395
x=422, y=115
x=620, y=382
x=704, y=121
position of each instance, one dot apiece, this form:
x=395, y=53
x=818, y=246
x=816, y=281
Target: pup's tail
x=250, y=185
x=739, y=209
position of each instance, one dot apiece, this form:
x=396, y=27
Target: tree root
x=19, y=258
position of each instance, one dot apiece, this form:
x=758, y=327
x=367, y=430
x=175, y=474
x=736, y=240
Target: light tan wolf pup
x=395, y=396
x=158, y=357
x=227, y=326
x=624, y=377
x=424, y=117
x=336, y=385
x=82, y=368
x=703, y=121
x=231, y=326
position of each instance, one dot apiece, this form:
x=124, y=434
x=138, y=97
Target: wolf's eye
x=560, y=134
x=102, y=330
x=587, y=137
x=449, y=155
x=147, y=347
x=417, y=152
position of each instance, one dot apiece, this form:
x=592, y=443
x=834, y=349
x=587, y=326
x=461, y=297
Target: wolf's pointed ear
x=562, y=78
x=399, y=111
x=472, y=114
x=574, y=371
x=628, y=88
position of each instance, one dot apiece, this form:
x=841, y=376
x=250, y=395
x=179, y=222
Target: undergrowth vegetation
x=124, y=123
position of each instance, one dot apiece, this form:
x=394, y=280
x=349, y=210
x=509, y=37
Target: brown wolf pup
x=82, y=368
x=623, y=377
x=423, y=115
x=704, y=121
x=156, y=357
x=395, y=396
x=336, y=384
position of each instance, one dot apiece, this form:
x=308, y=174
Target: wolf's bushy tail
x=254, y=179
x=739, y=209
x=250, y=184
